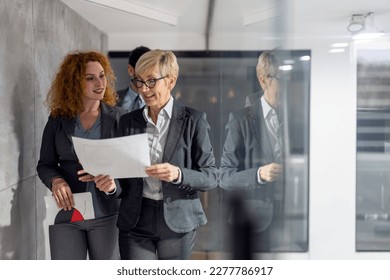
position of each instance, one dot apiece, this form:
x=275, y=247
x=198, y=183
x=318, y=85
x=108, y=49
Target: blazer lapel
x=175, y=131
x=138, y=123
x=260, y=131
x=108, y=120
x=68, y=126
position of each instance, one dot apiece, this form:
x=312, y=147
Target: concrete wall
x=34, y=37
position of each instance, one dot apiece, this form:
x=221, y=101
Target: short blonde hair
x=267, y=64
x=165, y=61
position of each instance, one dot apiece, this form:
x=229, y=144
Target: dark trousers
x=242, y=242
x=152, y=239
x=73, y=241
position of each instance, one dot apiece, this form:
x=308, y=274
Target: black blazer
x=188, y=146
x=58, y=157
x=247, y=147
x=121, y=96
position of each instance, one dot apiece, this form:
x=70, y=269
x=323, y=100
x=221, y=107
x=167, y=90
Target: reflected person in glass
x=251, y=159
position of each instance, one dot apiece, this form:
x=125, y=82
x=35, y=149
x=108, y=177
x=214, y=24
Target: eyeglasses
x=149, y=83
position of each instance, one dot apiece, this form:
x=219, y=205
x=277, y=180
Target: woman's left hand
x=163, y=171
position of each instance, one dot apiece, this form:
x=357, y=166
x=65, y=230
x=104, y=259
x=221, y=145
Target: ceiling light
x=337, y=50
x=339, y=45
x=304, y=58
x=362, y=26
x=357, y=23
x=285, y=67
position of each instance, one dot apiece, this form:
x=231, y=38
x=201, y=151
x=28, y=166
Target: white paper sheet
x=121, y=157
x=83, y=204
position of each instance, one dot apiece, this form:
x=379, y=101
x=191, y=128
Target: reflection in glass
x=221, y=82
x=373, y=151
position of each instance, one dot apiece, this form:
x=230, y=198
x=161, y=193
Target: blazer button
x=168, y=200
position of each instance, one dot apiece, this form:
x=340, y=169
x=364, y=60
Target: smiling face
x=157, y=96
x=95, y=82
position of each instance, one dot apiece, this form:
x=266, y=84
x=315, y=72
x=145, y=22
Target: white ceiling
x=301, y=18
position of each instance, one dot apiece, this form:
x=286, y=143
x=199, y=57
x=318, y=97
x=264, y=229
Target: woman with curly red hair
x=81, y=102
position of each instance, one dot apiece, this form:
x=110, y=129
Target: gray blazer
x=252, y=98
x=188, y=147
x=58, y=158
x=247, y=147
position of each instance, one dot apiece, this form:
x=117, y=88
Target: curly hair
x=64, y=96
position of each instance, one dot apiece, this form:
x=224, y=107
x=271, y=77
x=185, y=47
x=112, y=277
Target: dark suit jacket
x=252, y=98
x=121, y=95
x=58, y=158
x=247, y=147
x=188, y=147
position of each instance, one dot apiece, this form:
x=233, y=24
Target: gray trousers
x=73, y=241
x=152, y=239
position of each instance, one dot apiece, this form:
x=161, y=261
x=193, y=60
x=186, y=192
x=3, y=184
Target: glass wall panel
x=222, y=82
x=373, y=150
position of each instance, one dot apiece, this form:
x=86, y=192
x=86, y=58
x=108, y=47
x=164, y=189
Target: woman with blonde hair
x=159, y=215
x=81, y=102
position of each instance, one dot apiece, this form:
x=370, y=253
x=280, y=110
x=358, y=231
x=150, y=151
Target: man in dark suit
x=252, y=98
x=252, y=155
x=128, y=98
x=159, y=214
